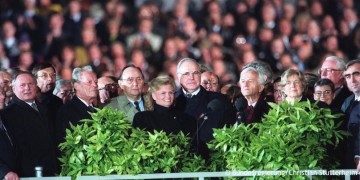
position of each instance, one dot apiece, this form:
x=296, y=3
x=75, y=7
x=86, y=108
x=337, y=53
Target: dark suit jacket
x=7, y=153
x=71, y=112
x=32, y=137
x=164, y=119
x=340, y=97
x=210, y=110
x=53, y=104
x=261, y=108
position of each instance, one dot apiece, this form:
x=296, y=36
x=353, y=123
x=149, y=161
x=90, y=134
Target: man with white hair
x=332, y=68
x=252, y=83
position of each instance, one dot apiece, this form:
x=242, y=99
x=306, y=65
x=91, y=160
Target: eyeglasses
x=209, y=82
x=132, y=80
x=110, y=87
x=44, y=76
x=354, y=74
x=187, y=74
x=332, y=71
x=324, y=93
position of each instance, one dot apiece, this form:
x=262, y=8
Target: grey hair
x=339, y=61
x=77, y=72
x=261, y=76
x=262, y=67
x=59, y=84
x=185, y=60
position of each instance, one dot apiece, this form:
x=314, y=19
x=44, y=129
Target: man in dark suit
x=78, y=108
x=209, y=109
x=27, y=121
x=252, y=85
x=351, y=108
x=45, y=76
x=7, y=155
x=332, y=68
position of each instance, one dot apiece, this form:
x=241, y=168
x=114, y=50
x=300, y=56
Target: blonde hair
x=161, y=80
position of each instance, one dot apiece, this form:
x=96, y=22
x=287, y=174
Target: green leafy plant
x=290, y=137
x=107, y=144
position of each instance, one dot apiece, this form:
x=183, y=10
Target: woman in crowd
x=324, y=91
x=163, y=117
x=294, y=85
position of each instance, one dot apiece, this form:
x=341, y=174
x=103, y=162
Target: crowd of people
x=174, y=65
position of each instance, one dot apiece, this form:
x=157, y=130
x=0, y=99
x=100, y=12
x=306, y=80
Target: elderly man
x=210, y=81
x=27, y=121
x=5, y=80
x=332, y=68
x=78, y=108
x=108, y=88
x=131, y=81
x=351, y=108
x=63, y=90
x=252, y=85
x=209, y=109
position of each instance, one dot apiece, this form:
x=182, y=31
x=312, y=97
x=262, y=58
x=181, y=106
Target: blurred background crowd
x=224, y=35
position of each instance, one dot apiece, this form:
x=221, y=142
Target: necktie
x=91, y=108
x=249, y=112
x=137, y=105
x=188, y=95
x=33, y=105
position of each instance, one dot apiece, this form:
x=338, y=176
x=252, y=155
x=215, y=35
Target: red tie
x=249, y=111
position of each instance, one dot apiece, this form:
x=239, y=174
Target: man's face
x=189, y=76
x=249, y=83
x=209, y=82
x=5, y=80
x=324, y=94
x=330, y=70
x=86, y=87
x=132, y=83
x=164, y=96
x=352, y=77
x=25, y=87
x=46, y=79
x=277, y=93
x=65, y=93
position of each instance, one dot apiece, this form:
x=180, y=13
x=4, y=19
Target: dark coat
x=261, y=108
x=340, y=97
x=71, y=112
x=30, y=130
x=164, y=119
x=210, y=110
x=7, y=153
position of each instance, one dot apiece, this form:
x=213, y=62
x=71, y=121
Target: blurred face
x=189, y=76
x=293, y=87
x=352, y=77
x=46, y=79
x=209, y=82
x=65, y=93
x=132, y=83
x=2, y=97
x=164, y=96
x=25, y=87
x=324, y=94
x=277, y=93
x=249, y=84
x=86, y=88
x=330, y=70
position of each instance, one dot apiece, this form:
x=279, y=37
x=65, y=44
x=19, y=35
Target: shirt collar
x=193, y=93
x=85, y=102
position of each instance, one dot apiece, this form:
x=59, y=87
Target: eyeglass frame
x=211, y=82
x=131, y=80
x=324, y=93
x=110, y=87
x=46, y=75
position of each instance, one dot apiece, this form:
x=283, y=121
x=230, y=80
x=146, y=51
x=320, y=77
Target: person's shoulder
x=115, y=101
